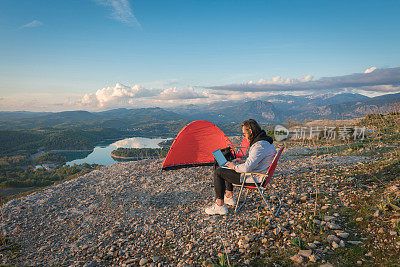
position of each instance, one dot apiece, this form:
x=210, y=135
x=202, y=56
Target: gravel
x=134, y=214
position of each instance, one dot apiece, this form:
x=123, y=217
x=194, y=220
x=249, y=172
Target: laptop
x=220, y=158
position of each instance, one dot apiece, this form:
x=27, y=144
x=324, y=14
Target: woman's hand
x=238, y=160
x=230, y=165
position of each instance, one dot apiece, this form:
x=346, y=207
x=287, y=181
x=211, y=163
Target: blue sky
x=101, y=54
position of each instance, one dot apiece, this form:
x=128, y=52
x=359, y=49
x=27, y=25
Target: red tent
x=194, y=144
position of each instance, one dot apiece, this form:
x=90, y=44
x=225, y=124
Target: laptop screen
x=220, y=157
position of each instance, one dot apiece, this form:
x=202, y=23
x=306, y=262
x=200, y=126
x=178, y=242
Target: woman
x=261, y=154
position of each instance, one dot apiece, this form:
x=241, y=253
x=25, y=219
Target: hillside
x=341, y=206
x=116, y=118
x=353, y=109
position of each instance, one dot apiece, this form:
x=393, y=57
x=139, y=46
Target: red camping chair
x=262, y=186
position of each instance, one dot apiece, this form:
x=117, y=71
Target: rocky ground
x=133, y=213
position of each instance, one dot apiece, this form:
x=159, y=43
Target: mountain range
x=272, y=109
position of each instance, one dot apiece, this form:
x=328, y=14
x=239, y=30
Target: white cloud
x=118, y=95
x=370, y=70
x=174, y=94
x=121, y=11
x=375, y=77
x=381, y=88
x=280, y=80
x=32, y=24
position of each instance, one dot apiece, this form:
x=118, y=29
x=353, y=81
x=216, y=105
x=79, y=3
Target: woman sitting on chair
x=261, y=154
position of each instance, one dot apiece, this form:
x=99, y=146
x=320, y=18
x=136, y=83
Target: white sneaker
x=215, y=209
x=230, y=201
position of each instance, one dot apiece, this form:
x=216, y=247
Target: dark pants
x=223, y=180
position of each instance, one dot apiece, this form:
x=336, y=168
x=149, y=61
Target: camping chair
x=262, y=186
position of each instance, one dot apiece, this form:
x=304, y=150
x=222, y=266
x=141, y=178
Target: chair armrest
x=257, y=173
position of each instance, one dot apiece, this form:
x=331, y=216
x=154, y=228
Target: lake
x=101, y=153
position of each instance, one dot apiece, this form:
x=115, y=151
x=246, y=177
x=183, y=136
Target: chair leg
x=280, y=201
x=262, y=196
x=244, y=201
x=237, y=201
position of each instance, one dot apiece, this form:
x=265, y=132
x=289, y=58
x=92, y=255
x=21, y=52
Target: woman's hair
x=253, y=126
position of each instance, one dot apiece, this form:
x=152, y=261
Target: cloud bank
x=121, y=11
x=175, y=94
x=372, y=82
x=383, y=80
x=32, y=24
x=116, y=95
x=124, y=96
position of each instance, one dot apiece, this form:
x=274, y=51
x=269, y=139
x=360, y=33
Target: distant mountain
x=20, y=114
x=116, y=118
x=342, y=98
x=261, y=111
x=353, y=109
x=271, y=109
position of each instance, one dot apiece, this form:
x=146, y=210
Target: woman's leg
x=223, y=180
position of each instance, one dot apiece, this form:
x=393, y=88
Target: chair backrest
x=242, y=150
x=272, y=167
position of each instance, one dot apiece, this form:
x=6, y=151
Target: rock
x=277, y=230
x=342, y=244
x=335, y=245
x=369, y=254
x=155, y=259
x=332, y=238
x=143, y=261
x=250, y=238
x=326, y=265
x=343, y=235
x=312, y=245
x=329, y=218
x=359, y=262
x=332, y=226
x=359, y=219
x=392, y=233
x=355, y=242
x=313, y=258
x=377, y=213
x=169, y=233
x=305, y=253
x=242, y=243
x=297, y=258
